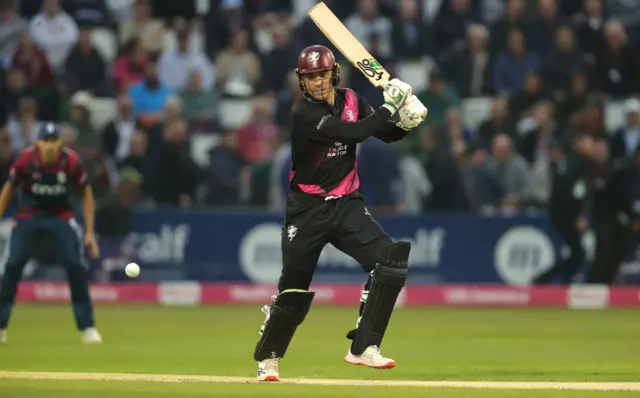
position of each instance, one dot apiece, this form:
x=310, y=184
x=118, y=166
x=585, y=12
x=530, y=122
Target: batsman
x=43, y=175
x=324, y=206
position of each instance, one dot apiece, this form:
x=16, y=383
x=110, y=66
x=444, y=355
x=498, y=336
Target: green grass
x=428, y=344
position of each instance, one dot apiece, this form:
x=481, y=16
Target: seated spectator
x=114, y=216
x=138, y=159
x=55, y=32
x=23, y=129
x=150, y=31
x=575, y=99
x=368, y=21
x=469, y=69
x=175, y=66
x=226, y=165
x=282, y=53
x=130, y=66
x=254, y=137
x=617, y=63
x=498, y=123
x=562, y=62
x=513, y=65
x=520, y=102
x=117, y=133
x=33, y=62
x=238, y=68
x=89, y=12
x=410, y=37
x=12, y=92
x=503, y=182
x=85, y=69
x=149, y=95
x=589, y=26
x=544, y=27
x=514, y=18
x=101, y=170
x=536, y=133
x=80, y=119
x=451, y=23
x=13, y=26
x=285, y=100
x=198, y=104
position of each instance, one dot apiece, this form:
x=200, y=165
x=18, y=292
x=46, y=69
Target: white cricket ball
x=132, y=270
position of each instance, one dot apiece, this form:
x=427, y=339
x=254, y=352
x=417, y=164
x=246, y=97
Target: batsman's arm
x=390, y=132
x=88, y=209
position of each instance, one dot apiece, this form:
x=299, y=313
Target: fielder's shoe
x=91, y=336
x=371, y=357
x=3, y=336
x=268, y=370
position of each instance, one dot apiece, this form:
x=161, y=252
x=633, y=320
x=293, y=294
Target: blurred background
x=180, y=111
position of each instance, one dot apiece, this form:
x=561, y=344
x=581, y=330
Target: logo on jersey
x=62, y=177
x=314, y=56
x=351, y=116
x=291, y=232
x=338, y=150
x=48, y=190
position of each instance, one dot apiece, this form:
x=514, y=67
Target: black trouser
x=614, y=241
x=572, y=237
x=68, y=250
x=343, y=222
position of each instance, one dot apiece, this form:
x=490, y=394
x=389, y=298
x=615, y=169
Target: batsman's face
x=49, y=149
x=319, y=85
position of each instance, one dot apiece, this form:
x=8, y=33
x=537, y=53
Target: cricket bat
x=348, y=45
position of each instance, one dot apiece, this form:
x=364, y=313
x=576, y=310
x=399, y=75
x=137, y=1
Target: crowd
x=550, y=66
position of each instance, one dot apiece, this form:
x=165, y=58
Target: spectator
x=101, y=170
x=359, y=82
x=149, y=31
x=116, y=135
x=285, y=100
x=379, y=175
x=175, y=66
x=575, y=99
x=254, y=137
x=226, y=165
x=24, y=129
x=521, y=102
x=469, y=69
x=7, y=157
x=130, y=66
x=626, y=140
x=238, y=68
x=89, y=12
x=137, y=159
x=368, y=21
x=589, y=26
x=450, y=26
x=80, y=119
x=198, y=104
x=511, y=171
x=440, y=96
x=628, y=13
x=499, y=123
x=536, y=133
x=12, y=28
x=33, y=62
x=84, y=68
x=410, y=37
x=149, y=96
x=544, y=26
x=55, y=32
x=12, y=92
x=513, y=19
x=114, y=216
x=513, y=65
x=274, y=71
x=179, y=173
x=562, y=62
x=617, y=63
x=415, y=186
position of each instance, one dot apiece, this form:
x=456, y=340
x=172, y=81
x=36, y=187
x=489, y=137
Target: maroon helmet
x=317, y=59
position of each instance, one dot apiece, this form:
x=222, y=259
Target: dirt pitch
x=518, y=385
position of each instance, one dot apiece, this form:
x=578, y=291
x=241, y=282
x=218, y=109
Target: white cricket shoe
x=3, y=336
x=268, y=370
x=371, y=357
x=91, y=336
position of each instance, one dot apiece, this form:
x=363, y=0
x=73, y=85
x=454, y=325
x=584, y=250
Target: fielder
x=43, y=174
x=325, y=206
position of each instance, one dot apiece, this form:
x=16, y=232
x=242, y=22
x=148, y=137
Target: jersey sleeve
x=19, y=169
x=320, y=125
x=77, y=171
x=389, y=132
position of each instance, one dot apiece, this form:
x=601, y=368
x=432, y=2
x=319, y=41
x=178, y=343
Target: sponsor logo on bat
x=371, y=68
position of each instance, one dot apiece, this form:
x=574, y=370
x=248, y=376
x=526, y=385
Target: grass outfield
x=428, y=344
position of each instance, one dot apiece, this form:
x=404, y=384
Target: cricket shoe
x=3, y=336
x=268, y=370
x=91, y=336
x=371, y=357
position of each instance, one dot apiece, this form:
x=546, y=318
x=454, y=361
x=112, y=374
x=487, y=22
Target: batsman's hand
x=411, y=114
x=92, y=244
x=396, y=93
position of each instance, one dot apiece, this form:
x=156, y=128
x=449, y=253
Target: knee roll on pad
x=288, y=311
x=389, y=277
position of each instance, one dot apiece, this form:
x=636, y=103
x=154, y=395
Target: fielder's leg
x=302, y=241
x=71, y=255
x=16, y=259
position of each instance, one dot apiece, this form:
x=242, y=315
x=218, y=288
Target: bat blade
x=348, y=45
